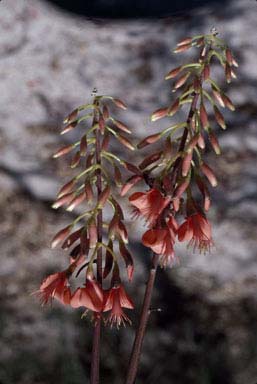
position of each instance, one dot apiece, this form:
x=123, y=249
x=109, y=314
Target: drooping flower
x=197, y=230
x=149, y=204
x=114, y=300
x=90, y=296
x=161, y=241
x=55, y=285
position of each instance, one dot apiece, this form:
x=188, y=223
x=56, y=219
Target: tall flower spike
x=171, y=172
x=88, y=193
x=179, y=165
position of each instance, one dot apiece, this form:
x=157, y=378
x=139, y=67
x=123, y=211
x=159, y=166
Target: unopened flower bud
x=123, y=140
x=73, y=115
x=181, y=81
x=204, y=116
x=132, y=168
x=228, y=103
x=197, y=85
x=207, y=203
x=218, y=97
x=72, y=238
x=176, y=203
x=159, y=114
x=113, y=227
x=129, y=184
x=83, y=146
x=206, y=72
x=233, y=74
x=117, y=176
x=64, y=199
x=208, y=172
x=193, y=122
x=128, y=260
x=182, y=48
x=69, y=127
x=75, y=160
x=203, y=52
x=92, y=231
x=186, y=40
x=108, y=260
x=219, y=118
x=130, y=271
x=201, y=142
x=89, y=161
x=192, y=143
x=228, y=73
x=173, y=73
x=150, y=159
x=186, y=163
x=149, y=140
x=105, y=142
x=204, y=191
x=104, y=196
x=123, y=127
x=118, y=209
x=60, y=236
x=106, y=113
x=122, y=232
x=119, y=103
x=181, y=188
x=76, y=201
x=66, y=188
x=214, y=143
x=63, y=151
x=174, y=108
x=229, y=56
x=89, y=191
x=234, y=62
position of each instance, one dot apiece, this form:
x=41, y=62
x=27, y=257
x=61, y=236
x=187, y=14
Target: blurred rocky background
x=50, y=59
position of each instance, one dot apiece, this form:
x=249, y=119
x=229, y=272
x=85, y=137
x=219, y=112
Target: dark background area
x=134, y=9
x=50, y=60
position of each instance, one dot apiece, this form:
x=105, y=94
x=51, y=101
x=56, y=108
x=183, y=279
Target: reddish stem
x=95, y=358
x=140, y=333
x=145, y=313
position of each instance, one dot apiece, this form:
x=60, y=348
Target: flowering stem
x=140, y=333
x=95, y=359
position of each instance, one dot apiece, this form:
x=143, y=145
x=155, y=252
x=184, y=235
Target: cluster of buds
x=172, y=172
x=95, y=246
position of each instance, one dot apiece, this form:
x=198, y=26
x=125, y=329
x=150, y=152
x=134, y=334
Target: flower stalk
x=178, y=171
x=95, y=356
x=95, y=247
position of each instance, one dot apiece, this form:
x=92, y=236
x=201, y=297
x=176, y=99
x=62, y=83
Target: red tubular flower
x=55, y=285
x=114, y=300
x=90, y=296
x=149, y=204
x=197, y=230
x=161, y=241
x=117, y=228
